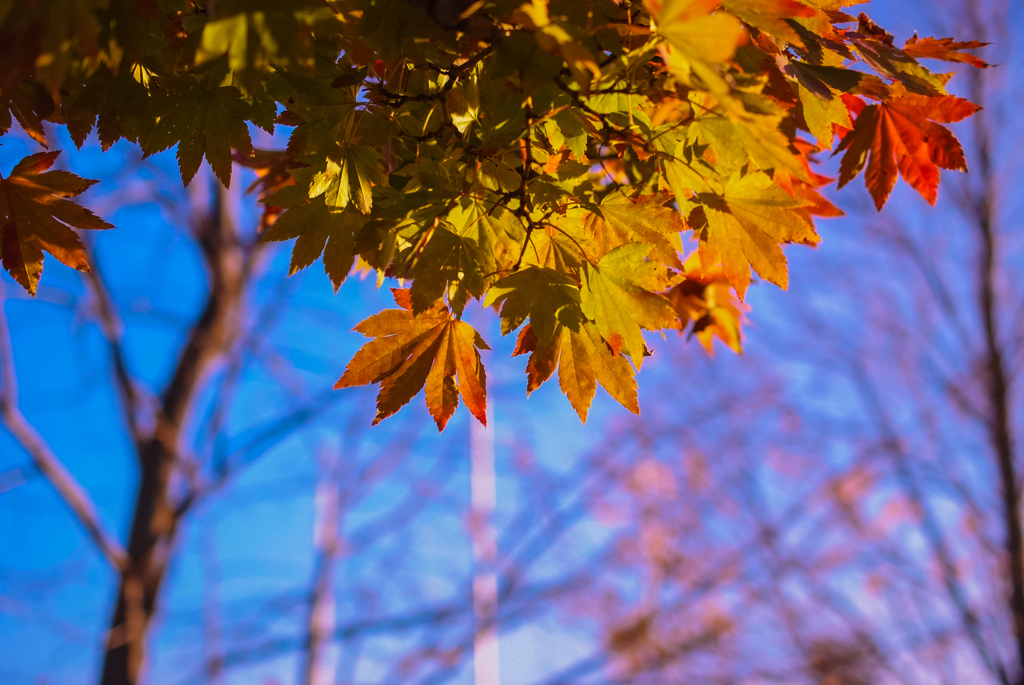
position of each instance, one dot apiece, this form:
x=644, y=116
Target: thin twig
x=113, y=331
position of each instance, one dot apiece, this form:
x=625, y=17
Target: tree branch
x=113, y=329
x=73, y=494
x=931, y=527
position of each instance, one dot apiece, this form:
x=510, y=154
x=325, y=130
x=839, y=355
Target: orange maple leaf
x=409, y=351
x=706, y=297
x=903, y=136
x=35, y=217
x=946, y=49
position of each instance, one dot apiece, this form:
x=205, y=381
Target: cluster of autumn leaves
x=546, y=158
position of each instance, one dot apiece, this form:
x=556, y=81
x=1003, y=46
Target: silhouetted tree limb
x=70, y=491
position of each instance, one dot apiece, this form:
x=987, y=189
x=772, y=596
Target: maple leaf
x=903, y=135
x=706, y=298
x=771, y=16
x=538, y=293
x=875, y=46
x=350, y=178
x=543, y=355
x=620, y=295
x=835, y=5
x=447, y=260
x=583, y=359
x=754, y=137
x=823, y=115
x=325, y=118
x=699, y=40
x=746, y=224
x=273, y=35
x=30, y=104
x=463, y=255
x=410, y=351
x=319, y=229
x=622, y=220
x=807, y=193
x=568, y=128
x=202, y=121
x=560, y=246
x=946, y=49
x=273, y=173
x=35, y=217
x=553, y=38
x=496, y=233
x=694, y=29
x=826, y=80
x=114, y=103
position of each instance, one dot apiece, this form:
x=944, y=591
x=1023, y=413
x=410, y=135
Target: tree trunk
x=151, y=537
x=156, y=515
x=997, y=378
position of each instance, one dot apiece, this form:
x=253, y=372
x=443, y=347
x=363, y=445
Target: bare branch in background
x=73, y=494
x=113, y=330
x=330, y=503
x=211, y=618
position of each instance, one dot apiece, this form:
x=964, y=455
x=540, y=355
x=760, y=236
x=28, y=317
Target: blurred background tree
x=838, y=506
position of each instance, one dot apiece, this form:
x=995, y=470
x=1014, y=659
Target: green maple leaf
x=562, y=246
x=569, y=129
x=350, y=178
x=320, y=229
x=116, y=104
x=327, y=117
x=464, y=255
x=536, y=293
x=260, y=36
x=202, y=121
x=620, y=295
x=447, y=264
x=496, y=233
